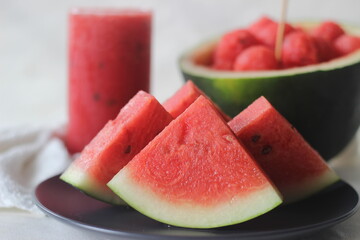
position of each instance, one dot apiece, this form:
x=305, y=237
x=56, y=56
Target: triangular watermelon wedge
x=196, y=174
x=291, y=163
x=184, y=97
x=138, y=122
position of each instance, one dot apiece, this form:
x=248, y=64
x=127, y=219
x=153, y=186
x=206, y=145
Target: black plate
x=65, y=203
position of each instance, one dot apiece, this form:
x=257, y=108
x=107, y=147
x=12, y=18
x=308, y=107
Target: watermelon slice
x=138, y=122
x=196, y=174
x=183, y=98
x=291, y=163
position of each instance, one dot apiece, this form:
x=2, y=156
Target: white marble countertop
x=33, y=73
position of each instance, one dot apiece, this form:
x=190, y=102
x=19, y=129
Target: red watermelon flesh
x=183, y=98
x=195, y=173
x=138, y=122
x=291, y=163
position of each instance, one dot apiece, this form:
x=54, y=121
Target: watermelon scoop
x=292, y=164
x=323, y=96
x=138, y=122
x=196, y=174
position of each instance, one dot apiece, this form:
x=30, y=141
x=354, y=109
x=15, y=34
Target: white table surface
x=33, y=74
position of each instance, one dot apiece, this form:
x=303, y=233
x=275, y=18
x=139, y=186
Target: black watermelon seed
x=255, y=138
x=101, y=65
x=111, y=102
x=266, y=149
x=96, y=97
x=128, y=149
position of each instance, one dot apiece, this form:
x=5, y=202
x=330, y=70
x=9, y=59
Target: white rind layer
x=85, y=183
x=309, y=187
x=238, y=209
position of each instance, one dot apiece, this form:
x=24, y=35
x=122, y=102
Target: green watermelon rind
x=235, y=91
x=81, y=180
x=231, y=212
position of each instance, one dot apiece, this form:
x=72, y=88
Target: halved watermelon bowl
x=322, y=101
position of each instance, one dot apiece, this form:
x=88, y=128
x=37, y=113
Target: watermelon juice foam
x=109, y=62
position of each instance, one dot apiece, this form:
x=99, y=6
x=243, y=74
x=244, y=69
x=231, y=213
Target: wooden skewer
x=280, y=30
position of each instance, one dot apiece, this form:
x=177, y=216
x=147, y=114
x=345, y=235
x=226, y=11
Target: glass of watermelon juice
x=109, y=62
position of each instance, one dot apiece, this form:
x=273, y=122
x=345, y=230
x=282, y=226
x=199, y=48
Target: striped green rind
x=85, y=183
x=239, y=209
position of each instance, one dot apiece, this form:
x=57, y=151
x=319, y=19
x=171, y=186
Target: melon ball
x=328, y=31
x=325, y=49
x=230, y=46
x=298, y=50
x=260, y=24
x=256, y=58
x=346, y=44
x=265, y=31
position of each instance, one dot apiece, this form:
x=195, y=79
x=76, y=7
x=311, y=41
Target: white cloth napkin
x=28, y=155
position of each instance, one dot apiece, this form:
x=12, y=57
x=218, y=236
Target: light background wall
x=33, y=44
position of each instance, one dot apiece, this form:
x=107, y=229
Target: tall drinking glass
x=109, y=62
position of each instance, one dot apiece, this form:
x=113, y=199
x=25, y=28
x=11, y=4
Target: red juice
x=109, y=62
